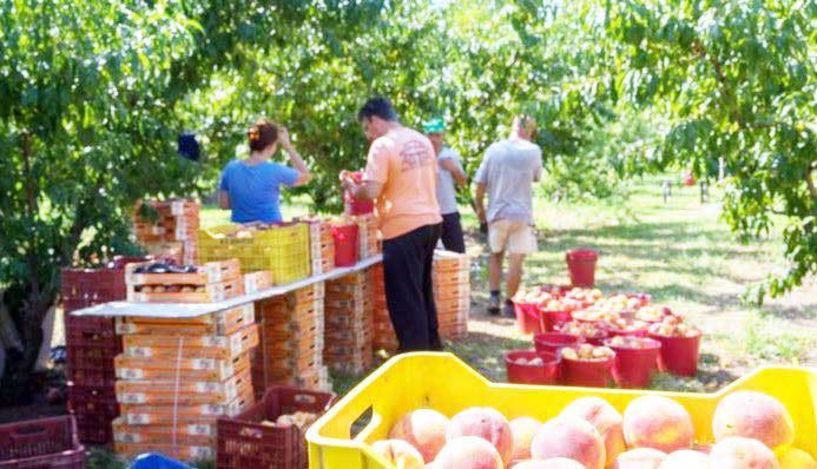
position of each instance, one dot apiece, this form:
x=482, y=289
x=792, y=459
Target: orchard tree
x=738, y=81
x=90, y=107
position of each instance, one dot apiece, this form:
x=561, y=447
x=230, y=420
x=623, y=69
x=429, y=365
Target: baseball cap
x=434, y=125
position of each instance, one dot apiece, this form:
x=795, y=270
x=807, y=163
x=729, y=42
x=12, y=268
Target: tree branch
x=704, y=54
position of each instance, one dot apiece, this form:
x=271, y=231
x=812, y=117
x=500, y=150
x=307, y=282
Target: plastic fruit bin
x=552, y=342
x=527, y=318
x=545, y=373
x=595, y=373
x=582, y=266
x=244, y=442
x=679, y=355
x=443, y=382
x=635, y=367
x=552, y=319
x=43, y=443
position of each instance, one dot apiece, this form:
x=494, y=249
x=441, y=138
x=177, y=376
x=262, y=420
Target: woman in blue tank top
x=251, y=187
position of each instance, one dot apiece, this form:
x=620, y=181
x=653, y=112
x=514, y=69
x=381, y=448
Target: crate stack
x=281, y=249
x=368, y=236
x=321, y=246
x=176, y=376
x=349, y=322
x=92, y=344
x=168, y=229
x=291, y=341
x=383, y=337
x=452, y=293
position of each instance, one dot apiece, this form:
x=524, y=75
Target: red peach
x=552, y=463
x=424, y=429
x=752, y=414
x=468, y=452
x=737, y=452
x=400, y=453
x=686, y=459
x=484, y=422
x=523, y=429
x=640, y=458
x=605, y=418
x=574, y=439
x=658, y=422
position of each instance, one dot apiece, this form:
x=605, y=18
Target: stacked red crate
x=92, y=344
x=176, y=376
x=384, y=337
x=168, y=229
x=349, y=322
x=291, y=341
x=452, y=293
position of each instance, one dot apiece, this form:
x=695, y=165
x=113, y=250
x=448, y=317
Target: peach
x=484, y=422
x=424, y=429
x=552, y=463
x=468, y=452
x=569, y=438
x=737, y=452
x=797, y=459
x=752, y=414
x=686, y=459
x=657, y=422
x=399, y=453
x=523, y=429
x=605, y=418
x=640, y=458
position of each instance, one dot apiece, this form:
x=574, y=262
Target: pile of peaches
x=750, y=429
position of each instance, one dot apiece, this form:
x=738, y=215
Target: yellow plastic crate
x=283, y=250
x=443, y=382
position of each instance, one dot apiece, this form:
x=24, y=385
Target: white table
x=190, y=310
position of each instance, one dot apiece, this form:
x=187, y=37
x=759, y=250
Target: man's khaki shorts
x=515, y=237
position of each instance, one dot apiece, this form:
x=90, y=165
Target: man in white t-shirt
x=507, y=173
x=449, y=175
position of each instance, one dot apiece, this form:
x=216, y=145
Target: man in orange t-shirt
x=401, y=176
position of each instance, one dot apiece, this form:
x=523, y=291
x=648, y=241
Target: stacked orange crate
x=176, y=376
x=349, y=318
x=368, y=236
x=291, y=345
x=321, y=245
x=452, y=293
x=168, y=229
x=384, y=337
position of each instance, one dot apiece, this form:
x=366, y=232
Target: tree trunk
x=27, y=312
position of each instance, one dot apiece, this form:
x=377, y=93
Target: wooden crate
x=168, y=347
x=187, y=369
x=209, y=293
x=183, y=393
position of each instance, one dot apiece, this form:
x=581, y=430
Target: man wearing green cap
x=449, y=172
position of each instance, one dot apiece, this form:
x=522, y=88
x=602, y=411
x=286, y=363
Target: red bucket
x=545, y=373
x=637, y=332
x=635, y=367
x=679, y=355
x=552, y=319
x=597, y=374
x=527, y=318
x=354, y=206
x=582, y=266
x=345, y=238
x=552, y=342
